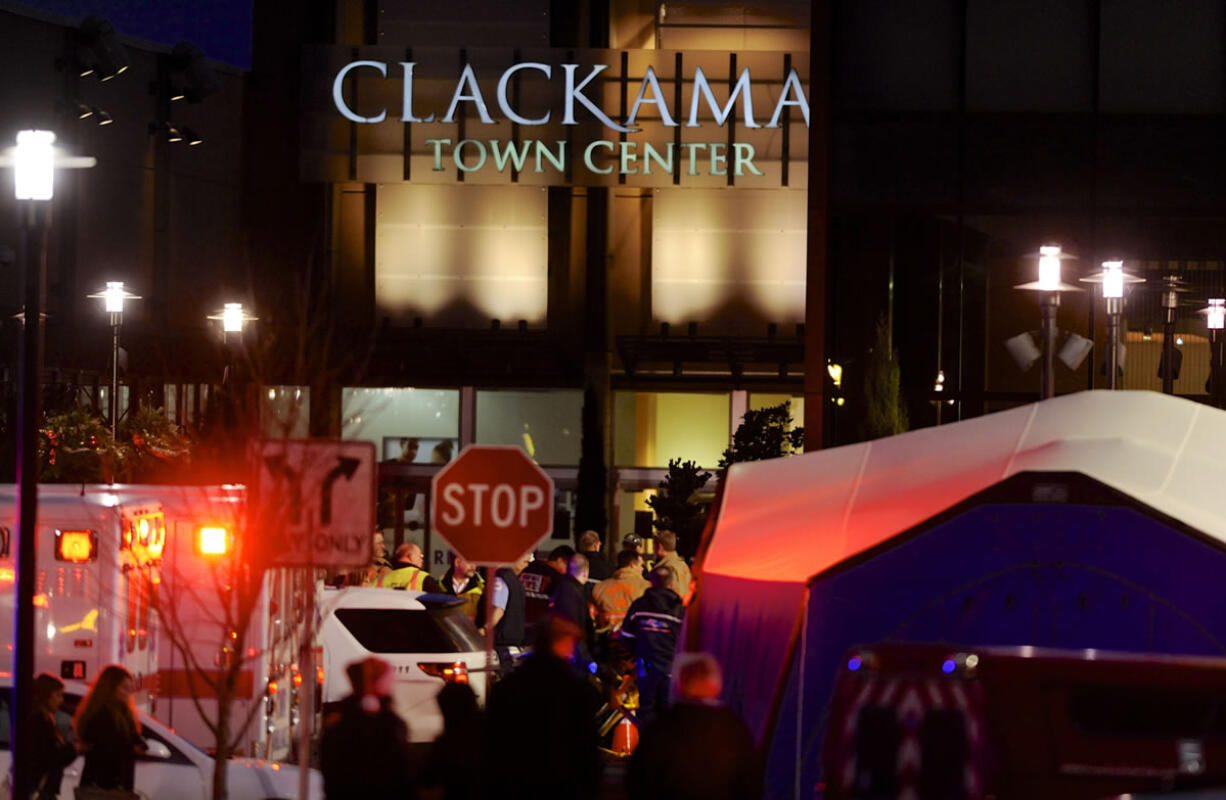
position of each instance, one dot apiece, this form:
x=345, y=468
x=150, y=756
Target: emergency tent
x=1090, y=520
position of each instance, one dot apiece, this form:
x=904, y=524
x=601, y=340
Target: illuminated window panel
x=385, y=415
x=461, y=255
x=650, y=428
x=545, y=424
x=726, y=259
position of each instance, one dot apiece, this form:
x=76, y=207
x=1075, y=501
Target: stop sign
x=492, y=504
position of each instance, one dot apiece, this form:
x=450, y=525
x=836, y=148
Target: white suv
x=173, y=769
x=425, y=637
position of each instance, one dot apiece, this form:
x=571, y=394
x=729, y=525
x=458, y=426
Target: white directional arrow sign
x=318, y=496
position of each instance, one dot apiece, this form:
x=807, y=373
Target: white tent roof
x=790, y=518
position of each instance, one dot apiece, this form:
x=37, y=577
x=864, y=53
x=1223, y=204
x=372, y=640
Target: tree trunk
x=221, y=758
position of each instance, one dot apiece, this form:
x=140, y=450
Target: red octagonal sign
x=492, y=504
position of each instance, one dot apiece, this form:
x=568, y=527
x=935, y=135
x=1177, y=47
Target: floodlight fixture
x=199, y=80
x=1074, y=351
x=103, y=55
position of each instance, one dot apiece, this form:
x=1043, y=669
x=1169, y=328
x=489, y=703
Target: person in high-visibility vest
x=408, y=571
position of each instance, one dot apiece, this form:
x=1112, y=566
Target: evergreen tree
x=675, y=508
x=884, y=415
x=764, y=433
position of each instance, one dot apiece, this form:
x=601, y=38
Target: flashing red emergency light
x=76, y=547
x=212, y=540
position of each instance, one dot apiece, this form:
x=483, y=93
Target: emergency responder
x=612, y=597
x=653, y=623
x=408, y=571
x=507, y=614
x=667, y=556
x=538, y=580
x=463, y=580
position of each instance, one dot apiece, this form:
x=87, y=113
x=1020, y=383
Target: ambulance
x=199, y=525
x=98, y=561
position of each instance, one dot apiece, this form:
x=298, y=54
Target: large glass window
x=653, y=427
x=408, y=424
x=545, y=423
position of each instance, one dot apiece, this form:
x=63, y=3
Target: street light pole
x=34, y=161
x=1114, y=281
x=113, y=297
x=1217, y=375
x=35, y=219
x=1049, y=286
x=1172, y=286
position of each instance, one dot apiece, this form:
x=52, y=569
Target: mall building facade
x=465, y=221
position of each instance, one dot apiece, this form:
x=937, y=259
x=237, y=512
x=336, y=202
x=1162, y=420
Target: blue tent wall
x=747, y=625
x=1065, y=576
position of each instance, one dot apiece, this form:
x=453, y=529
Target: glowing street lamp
x=1049, y=286
x=34, y=160
x=1114, y=281
x=113, y=297
x=233, y=318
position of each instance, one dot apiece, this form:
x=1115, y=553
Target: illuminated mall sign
x=639, y=117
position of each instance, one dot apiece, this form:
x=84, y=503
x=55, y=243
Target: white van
x=425, y=637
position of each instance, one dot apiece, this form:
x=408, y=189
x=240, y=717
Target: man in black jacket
x=543, y=707
x=569, y=601
x=599, y=567
x=653, y=624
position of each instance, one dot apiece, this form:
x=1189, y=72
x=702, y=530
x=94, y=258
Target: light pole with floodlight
x=1216, y=320
x=34, y=161
x=1049, y=286
x=113, y=297
x=1113, y=280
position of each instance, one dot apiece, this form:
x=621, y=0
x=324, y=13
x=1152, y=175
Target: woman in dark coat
x=109, y=732
x=51, y=752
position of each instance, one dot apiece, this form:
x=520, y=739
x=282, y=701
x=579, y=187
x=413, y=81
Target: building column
x=819, y=226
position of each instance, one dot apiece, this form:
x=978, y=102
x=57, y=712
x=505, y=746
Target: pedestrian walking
x=109, y=733
x=698, y=749
x=543, y=740
x=364, y=752
x=653, y=624
x=455, y=764
x=51, y=753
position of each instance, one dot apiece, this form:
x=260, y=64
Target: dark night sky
x=221, y=28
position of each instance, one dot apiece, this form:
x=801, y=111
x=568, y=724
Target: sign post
x=316, y=501
x=492, y=504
